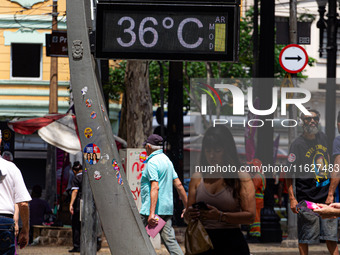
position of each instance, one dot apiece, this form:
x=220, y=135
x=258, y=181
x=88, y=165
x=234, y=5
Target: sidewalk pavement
x=255, y=249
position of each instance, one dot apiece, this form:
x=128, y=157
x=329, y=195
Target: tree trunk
x=138, y=104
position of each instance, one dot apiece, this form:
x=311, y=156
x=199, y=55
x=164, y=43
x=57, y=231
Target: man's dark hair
x=77, y=166
x=338, y=119
x=310, y=110
x=36, y=191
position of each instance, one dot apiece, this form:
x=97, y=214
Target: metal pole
x=51, y=176
x=256, y=84
x=270, y=226
x=175, y=127
x=292, y=132
x=51, y=179
x=331, y=73
x=53, y=105
x=161, y=73
x=256, y=41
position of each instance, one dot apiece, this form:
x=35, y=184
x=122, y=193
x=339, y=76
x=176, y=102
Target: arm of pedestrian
x=335, y=179
x=73, y=198
x=292, y=199
x=336, y=167
x=24, y=233
x=335, y=205
x=327, y=212
x=332, y=188
x=247, y=202
x=16, y=219
x=152, y=221
x=181, y=191
x=190, y=212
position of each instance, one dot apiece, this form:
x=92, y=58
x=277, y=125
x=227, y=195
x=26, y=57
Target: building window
x=26, y=60
x=324, y=44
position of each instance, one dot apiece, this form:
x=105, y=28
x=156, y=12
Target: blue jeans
x=7, y=238
x=167, y=234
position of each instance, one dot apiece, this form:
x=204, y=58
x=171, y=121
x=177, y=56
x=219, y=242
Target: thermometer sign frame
x=290, y=57
x=167, y=31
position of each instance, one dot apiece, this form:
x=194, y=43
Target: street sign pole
x=51, y=178
x=291, y=240
x=117, y=210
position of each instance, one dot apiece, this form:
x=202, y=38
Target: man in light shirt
x=13, y=192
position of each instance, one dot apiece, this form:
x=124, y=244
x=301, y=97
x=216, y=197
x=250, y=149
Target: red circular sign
x=293, y=58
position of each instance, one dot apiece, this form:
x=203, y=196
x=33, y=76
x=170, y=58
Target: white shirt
x=12, y=187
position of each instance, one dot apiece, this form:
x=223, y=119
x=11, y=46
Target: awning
x=59, y=130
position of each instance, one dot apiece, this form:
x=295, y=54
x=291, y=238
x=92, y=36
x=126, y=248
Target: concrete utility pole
x=117, y=210
x=89, y=217
x=51, y=179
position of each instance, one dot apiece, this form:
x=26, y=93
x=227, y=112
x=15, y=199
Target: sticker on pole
x=293, y=58
x=92, y=153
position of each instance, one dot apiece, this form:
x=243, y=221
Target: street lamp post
x=321, y=24
x=331, y=24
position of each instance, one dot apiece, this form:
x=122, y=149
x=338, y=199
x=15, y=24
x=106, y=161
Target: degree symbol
x=169, y=25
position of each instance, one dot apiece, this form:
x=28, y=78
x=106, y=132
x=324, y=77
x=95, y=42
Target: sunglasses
x=316, y=119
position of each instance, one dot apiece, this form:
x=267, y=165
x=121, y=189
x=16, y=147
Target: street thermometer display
x=169, y=32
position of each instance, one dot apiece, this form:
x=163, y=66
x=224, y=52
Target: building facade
x=25, y=73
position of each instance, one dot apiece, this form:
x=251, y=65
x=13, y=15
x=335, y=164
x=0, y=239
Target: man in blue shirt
x=157, y=182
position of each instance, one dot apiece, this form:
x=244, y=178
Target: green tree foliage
x=116, y=85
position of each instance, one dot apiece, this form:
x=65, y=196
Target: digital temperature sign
x=167, y=31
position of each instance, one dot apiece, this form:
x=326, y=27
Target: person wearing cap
x=13, y=192
x=158, y=179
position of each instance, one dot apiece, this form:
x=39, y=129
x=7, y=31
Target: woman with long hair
x=94, y=158
x=229, y=195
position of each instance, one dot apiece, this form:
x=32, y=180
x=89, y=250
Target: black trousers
x=76, y=229
x=227, y=242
